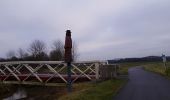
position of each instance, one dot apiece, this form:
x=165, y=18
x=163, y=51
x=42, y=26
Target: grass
x=81, y=91
x=107, y=89
x=104, y=90
x=125, y=66
x=158, y=67
x=95, y=91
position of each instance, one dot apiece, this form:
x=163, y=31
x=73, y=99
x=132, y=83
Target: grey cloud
x=102, y=29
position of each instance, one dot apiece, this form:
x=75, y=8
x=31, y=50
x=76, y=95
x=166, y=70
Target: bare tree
x=57, y=52
x=75, y=53
x=10, y=54
x=38, y=50
x=22, y=54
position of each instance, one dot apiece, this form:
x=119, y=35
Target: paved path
x=143, y=85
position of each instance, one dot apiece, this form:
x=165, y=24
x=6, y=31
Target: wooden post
x=115, y=71
x=69, y=83
x=166, y=69
x=68, y=58
x=97, y=70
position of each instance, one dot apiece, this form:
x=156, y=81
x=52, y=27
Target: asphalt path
x=144, y=85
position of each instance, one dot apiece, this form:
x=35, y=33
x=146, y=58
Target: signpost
x=68, y=58
x=164, y=61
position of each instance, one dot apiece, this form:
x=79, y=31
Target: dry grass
x=125, y=66
x=95, y=91
x=158, y=67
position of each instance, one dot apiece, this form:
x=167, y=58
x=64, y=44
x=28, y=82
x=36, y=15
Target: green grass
x=95, y=91
x=107, y=89
x=125, y=66
x=158, y=67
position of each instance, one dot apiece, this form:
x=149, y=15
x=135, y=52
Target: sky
x=102, y=29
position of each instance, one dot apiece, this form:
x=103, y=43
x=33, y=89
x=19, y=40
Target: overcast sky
x=102, y=29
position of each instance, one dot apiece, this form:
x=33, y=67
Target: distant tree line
x=38, y=51
x=143, y=59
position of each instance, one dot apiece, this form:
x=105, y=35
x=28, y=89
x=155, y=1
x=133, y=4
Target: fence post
x=97, y=70
x=115, y=70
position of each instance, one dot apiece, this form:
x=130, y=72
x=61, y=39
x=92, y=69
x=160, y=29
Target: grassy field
x=95, y=91
x=158, y=67
x=125, y=66
x=106, y=90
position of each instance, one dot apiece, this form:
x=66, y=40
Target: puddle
x=19, y=94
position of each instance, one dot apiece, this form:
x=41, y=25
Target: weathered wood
x=97, y=70
x=32, y=69
x=51, y=62
x=32, y=62
x=108, y=71
x=33, y=83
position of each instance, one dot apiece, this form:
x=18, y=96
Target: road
x=144, y=85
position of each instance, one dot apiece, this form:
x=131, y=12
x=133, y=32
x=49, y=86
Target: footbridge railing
x=50, y=72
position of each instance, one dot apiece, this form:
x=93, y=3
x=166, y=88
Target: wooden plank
x=33, y=72
x=97, y=70
x=55, y=72
x=33, y=83
x=82, y=73
x=11, y=72
x=49, y=62
x=33, y=62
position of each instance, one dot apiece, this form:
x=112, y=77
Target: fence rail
x=52, y=72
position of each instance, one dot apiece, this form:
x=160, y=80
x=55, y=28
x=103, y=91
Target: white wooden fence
x=50, y=72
